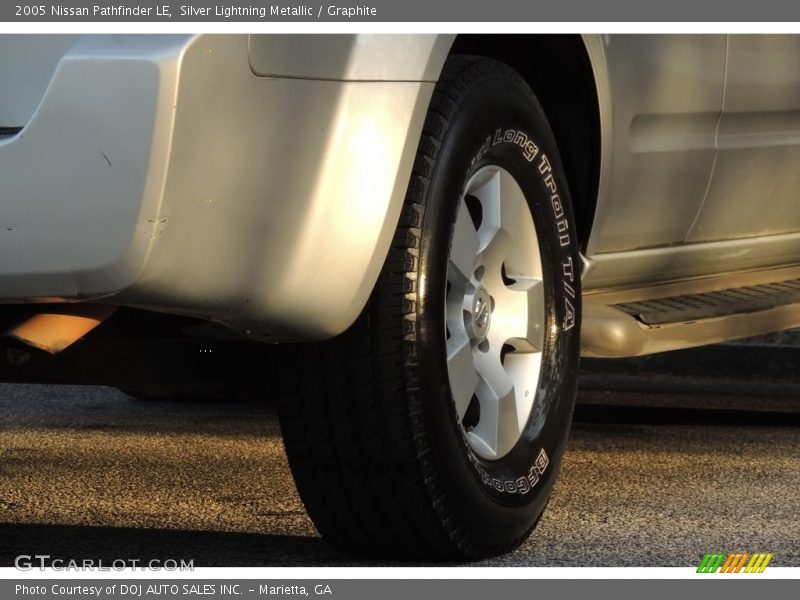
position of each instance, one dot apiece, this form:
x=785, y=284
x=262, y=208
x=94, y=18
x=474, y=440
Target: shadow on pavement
x=205, y=548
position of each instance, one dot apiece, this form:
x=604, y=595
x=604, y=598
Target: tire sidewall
x=498, y=122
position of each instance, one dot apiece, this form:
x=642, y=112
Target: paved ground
x=89, y=472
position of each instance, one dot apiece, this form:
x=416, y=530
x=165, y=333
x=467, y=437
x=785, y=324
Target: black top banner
x=402, y=11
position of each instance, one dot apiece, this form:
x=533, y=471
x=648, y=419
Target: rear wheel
x=435, y=426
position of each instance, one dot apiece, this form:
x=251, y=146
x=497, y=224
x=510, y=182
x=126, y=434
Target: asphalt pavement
x=649, y=479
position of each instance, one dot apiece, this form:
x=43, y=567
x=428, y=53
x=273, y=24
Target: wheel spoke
x=519, y=366
x=503, y=205
x=509, y=319
x=536, y=314
x=513, y=205
x=508, y=423
x=491, y=370
x=495, y=252
x=487, y=191
x=519, y=316
x=462, y=374
x=464, y=249
x=498, y=428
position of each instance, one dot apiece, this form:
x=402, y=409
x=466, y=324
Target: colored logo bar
x=740, y=562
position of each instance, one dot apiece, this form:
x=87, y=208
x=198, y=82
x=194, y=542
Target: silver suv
x=448, y=221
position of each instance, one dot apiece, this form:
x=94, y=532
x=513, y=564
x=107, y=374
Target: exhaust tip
x=59, y=326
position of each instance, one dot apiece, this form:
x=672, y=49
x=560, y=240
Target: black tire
x=369, y=425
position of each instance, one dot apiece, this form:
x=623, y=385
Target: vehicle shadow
x=204, y=548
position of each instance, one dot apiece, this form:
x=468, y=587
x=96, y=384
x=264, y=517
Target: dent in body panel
x=659, y=96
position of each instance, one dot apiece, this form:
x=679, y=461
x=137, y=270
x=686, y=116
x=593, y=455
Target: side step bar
x=647, y=326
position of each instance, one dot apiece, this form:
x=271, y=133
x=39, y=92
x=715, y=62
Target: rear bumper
x=161, y=172
x=81, y=179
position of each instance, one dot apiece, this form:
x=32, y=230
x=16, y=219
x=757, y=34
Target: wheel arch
x=561, y=72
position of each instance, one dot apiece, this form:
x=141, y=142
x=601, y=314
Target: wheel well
x=558, y=70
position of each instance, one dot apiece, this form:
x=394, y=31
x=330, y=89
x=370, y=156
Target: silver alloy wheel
x=495, y=312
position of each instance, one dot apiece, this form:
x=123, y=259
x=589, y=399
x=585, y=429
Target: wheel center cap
x=481, y=313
